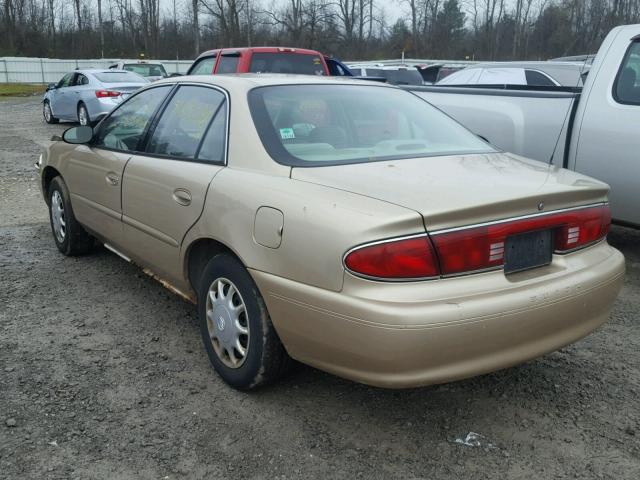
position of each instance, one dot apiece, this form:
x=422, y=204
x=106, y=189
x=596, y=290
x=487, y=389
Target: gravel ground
x=103, y=375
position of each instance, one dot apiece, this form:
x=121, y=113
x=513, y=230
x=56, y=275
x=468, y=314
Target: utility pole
x=175, y=28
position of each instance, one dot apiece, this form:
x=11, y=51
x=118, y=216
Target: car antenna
x=569, y=116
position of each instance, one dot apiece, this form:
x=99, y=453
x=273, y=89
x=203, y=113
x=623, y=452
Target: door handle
x=112, y=179
x=182, y=196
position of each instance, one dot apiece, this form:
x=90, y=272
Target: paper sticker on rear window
x=287, y=133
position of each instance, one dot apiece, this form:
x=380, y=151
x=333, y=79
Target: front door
x=59, y=97
x=608, y=144
x=164, y=188
x=94, y=172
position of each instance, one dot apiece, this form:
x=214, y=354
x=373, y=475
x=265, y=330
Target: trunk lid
x=452, y=191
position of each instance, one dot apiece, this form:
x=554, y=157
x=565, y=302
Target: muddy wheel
x=237, y=332
x=71, y=239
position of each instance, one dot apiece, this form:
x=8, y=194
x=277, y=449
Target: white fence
x=49, y=70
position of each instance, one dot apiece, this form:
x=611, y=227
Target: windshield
x=146, y=69
x=309, y=125
x=119, y=77
x=286, y=63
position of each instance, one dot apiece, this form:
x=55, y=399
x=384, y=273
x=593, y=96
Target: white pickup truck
x=595, y=131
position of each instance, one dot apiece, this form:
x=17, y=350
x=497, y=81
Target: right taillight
x=107, y=93
x=583, y=228
x=407, y=258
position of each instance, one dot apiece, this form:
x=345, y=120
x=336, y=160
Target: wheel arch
x=197, y=255
x=48, y=174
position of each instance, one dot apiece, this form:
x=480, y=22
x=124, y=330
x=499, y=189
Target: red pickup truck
x=263, y=60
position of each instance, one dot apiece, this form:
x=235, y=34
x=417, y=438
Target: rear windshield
x=285, y=62
x=403, y=77
x=146, y=69
x=310, y=125
x=119, y=77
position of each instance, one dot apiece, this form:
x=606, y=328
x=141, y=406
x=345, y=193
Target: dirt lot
x=103, y=376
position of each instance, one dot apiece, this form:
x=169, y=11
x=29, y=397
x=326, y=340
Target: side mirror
x=175, y=75
x=51, y=86
x=484, y=139
x=78, y=135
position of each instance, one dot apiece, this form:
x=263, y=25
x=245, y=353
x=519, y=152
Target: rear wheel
x=83, y=115
x=71, y=239
x=47, y=113
x=236, y=329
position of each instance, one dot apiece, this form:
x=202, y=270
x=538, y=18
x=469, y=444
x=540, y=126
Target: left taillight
x=407, y=258
x=107, y=93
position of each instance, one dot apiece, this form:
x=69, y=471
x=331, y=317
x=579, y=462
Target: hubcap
x=47, y=112
x=82, y=116
x=227, y=323
x=57, y=215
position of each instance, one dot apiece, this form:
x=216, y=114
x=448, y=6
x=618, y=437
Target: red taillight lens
x=480, y=248
x=107, y=93
x=407, y=258
x=587, y=226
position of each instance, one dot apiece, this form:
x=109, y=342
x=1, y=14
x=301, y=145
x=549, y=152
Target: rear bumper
x=422, y=333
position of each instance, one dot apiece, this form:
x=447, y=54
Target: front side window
x=309, y=125
x=228, y=64
x=65, y=81
x=204, y=66
x=184, y=122
x=627, y=87
x=285, y=62
x=123, y=129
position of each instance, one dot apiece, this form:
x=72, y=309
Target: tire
x=83, y=114
x=265, y=359
x=47, y=114
x=71, y=239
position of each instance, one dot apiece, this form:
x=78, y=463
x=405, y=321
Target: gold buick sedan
x=345, y=224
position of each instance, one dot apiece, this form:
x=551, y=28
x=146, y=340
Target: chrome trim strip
x=515, y=219
x=117, y=252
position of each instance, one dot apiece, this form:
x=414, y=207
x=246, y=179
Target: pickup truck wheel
x=236, y=329
x=83, y=115
x=47, y=114
x=71, y=239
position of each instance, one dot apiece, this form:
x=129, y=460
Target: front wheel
x=47, y=113
x=71, y=239
x=240, y=340
x=83, y=115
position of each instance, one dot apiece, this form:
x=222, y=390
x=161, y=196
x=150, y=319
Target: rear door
x=164, y=188
x=94, y=173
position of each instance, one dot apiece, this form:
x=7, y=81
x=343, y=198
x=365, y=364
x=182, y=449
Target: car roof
x=305, y=51
x=248, y=81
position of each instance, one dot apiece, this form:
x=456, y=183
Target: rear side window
x=228, y=64
x=301, y=63
x=123, y=129
x=119, y=77
x=184, y=122
x=627, y=87
x=535, y=78
x=213, y=144
x=204, y=66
